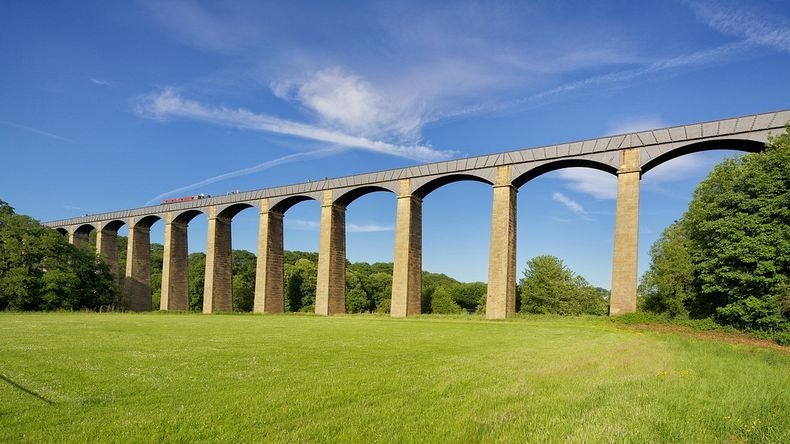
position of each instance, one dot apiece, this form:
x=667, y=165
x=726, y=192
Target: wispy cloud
x=168, y=104
x=595, y=183
x=245, y=171
x=310, y=225
x=34, y=130
x=349, y=103
x=368, y=228
x=101, y=82
x=740, y=19
x=569, y=203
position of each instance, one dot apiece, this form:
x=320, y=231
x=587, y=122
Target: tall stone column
x=269, y=295
x=175, y=267
x=137, y=296
x=107, y=248
x=78, y=239
x=626, y=233
x=330, y=295
x=407, y=267
x=218, y=288
x=501, y=299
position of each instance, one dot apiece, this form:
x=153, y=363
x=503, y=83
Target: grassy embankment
x=189, y=377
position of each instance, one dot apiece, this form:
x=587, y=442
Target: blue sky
x=112, y=105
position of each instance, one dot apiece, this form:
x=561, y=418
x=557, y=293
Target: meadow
x=77, y=377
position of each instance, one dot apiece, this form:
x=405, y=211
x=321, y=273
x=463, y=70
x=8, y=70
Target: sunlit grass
x=190, y=377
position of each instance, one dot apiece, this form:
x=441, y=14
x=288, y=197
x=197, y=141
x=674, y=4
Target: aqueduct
x=628, y=156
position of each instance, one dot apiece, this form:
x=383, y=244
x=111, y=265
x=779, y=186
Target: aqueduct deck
x=628, y=156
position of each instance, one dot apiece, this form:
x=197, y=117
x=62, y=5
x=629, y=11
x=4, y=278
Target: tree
x=668, y=285
x=197, y=277
x=737, y=224
x=442, y=303
x=548, y=286
x=468, y=296
x=244, y=268
x=300, y=284
x=40, y=270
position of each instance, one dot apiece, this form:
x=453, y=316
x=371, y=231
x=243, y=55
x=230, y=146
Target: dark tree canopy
x=40, y=270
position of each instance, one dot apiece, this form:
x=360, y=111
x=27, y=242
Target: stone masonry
x=269, y=295
x=626, y=234
x=501, y=299
x=137, y=294
x=330, y=297
x=175, y=267
x=407, y=267
x=218, y=286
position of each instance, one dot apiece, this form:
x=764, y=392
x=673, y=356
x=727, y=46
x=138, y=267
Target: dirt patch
x=731, y=338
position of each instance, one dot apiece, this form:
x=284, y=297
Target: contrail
x=253, y=169
x=34, y=130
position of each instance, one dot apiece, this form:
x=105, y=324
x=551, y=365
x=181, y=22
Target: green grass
x=76, y=377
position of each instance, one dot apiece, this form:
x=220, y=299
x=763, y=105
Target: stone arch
x=749, y=146
x=285, y=204
x=146, y=221
x=113, y=226
x=423, y=190
x=184, y=217
x=62, y=231
x=354, y=194
x=232, y=210
x=548, y=167
x=84, y=230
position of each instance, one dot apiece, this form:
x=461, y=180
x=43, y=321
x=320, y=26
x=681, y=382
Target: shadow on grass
x=26, y=390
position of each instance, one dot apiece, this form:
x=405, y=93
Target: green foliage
x=197, y=275
x=244, y=268
x=300, y=282
x=39, y=270
x=548, y=286
x=157, y=259
x=442, y=303
x=729, y=256
x=668, y=286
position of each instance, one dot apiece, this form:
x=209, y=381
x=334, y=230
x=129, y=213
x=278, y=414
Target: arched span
x=84, y=230
x=559, y=164
x=231, y=211
x=147, y=221
x=186, y=216
x=62, y=231
x=439, y=182
x=356, y=193
x=749, y=146
x=285, y=204
x=113, y=226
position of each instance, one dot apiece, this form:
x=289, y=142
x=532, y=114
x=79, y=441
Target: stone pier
x=78, y=238
x=218, y=288
x=137, y=294
x=407, y=267
x=107, y=248
x=501, y=299
x=626, y=234
x=175, y=266
x=269, y=294
x=330, y=295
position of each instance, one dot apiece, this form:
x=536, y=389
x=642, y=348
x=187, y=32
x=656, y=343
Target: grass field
x=79, y=377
